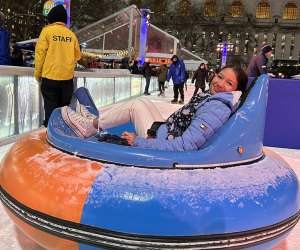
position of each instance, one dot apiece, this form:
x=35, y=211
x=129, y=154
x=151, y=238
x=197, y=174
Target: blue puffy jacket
x=211, y=114
x=177, y=72
x=4, y=47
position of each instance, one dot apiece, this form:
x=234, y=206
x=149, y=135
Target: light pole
x=143, y=35
x=222, y=49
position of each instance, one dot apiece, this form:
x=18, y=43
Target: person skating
x=162, y=72
x=177, y=73
x=147, y=72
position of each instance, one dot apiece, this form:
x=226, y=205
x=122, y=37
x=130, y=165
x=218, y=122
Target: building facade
x=203, y=26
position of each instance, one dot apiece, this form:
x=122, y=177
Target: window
x=237, y=9
x=255, y=44
x=290, y=11
x=283, y=39
x=263, y=10
x=292, y=45
x=184, y=8
x=274, y=42
x=210, y=8
x=237, y=44
x=265, y=38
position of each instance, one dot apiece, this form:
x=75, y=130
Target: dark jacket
x=162, y=72
x=17, y=56
x=257, y=65
x=146, y=69
x=134, y=68
x=200, y=75
x=4, y=47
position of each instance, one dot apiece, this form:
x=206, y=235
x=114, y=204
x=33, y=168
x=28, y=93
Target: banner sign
x=48, y=5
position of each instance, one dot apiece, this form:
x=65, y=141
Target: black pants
x=147, y=84
x=56, y=94
x=161, y=87
x=178, y=88
x=197, y=88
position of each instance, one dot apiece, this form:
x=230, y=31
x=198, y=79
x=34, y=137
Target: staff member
x=56, y=53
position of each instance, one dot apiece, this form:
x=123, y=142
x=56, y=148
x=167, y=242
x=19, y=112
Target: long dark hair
x=241, y=76
x=202, y=64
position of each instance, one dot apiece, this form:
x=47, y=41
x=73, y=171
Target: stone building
x=205, y=25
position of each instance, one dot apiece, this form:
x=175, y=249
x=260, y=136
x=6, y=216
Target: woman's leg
x=181, y=91
x=163, y=86
x=159, y=87
x=141, y=111
x=147, y=84
x=175, y=90
x=163, y=89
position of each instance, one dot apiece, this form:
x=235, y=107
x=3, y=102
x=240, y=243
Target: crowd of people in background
x=175, y=71
x=13, y=56
x=258, y=65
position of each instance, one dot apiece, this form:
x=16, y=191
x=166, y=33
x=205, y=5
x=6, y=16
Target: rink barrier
x=18, y=86
x=21, y=102
x=283, y=115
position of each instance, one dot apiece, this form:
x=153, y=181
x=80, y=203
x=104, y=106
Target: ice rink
x=14, y=239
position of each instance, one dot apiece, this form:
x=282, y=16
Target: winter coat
x=211, y=114
x=162, y=72
x=17, y=56
x=4, y=47
x=134, y=69
x=200, y=76
x=56, y=53
x=146, y=70
x=257, y=65
x=177, y=72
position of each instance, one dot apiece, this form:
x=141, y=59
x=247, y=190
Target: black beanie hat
x=266, y=49
x=58, y=14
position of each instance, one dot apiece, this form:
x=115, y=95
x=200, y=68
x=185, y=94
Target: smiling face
x=224, y=81
x=268, y=54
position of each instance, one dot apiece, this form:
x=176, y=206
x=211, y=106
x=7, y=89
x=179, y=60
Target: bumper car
x=66, y=192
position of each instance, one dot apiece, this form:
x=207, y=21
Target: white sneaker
x=83, y=111
x=82, y=126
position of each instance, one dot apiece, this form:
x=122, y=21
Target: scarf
x=181, y=119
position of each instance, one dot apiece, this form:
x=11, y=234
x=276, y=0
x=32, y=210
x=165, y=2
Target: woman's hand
x=130, y=137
